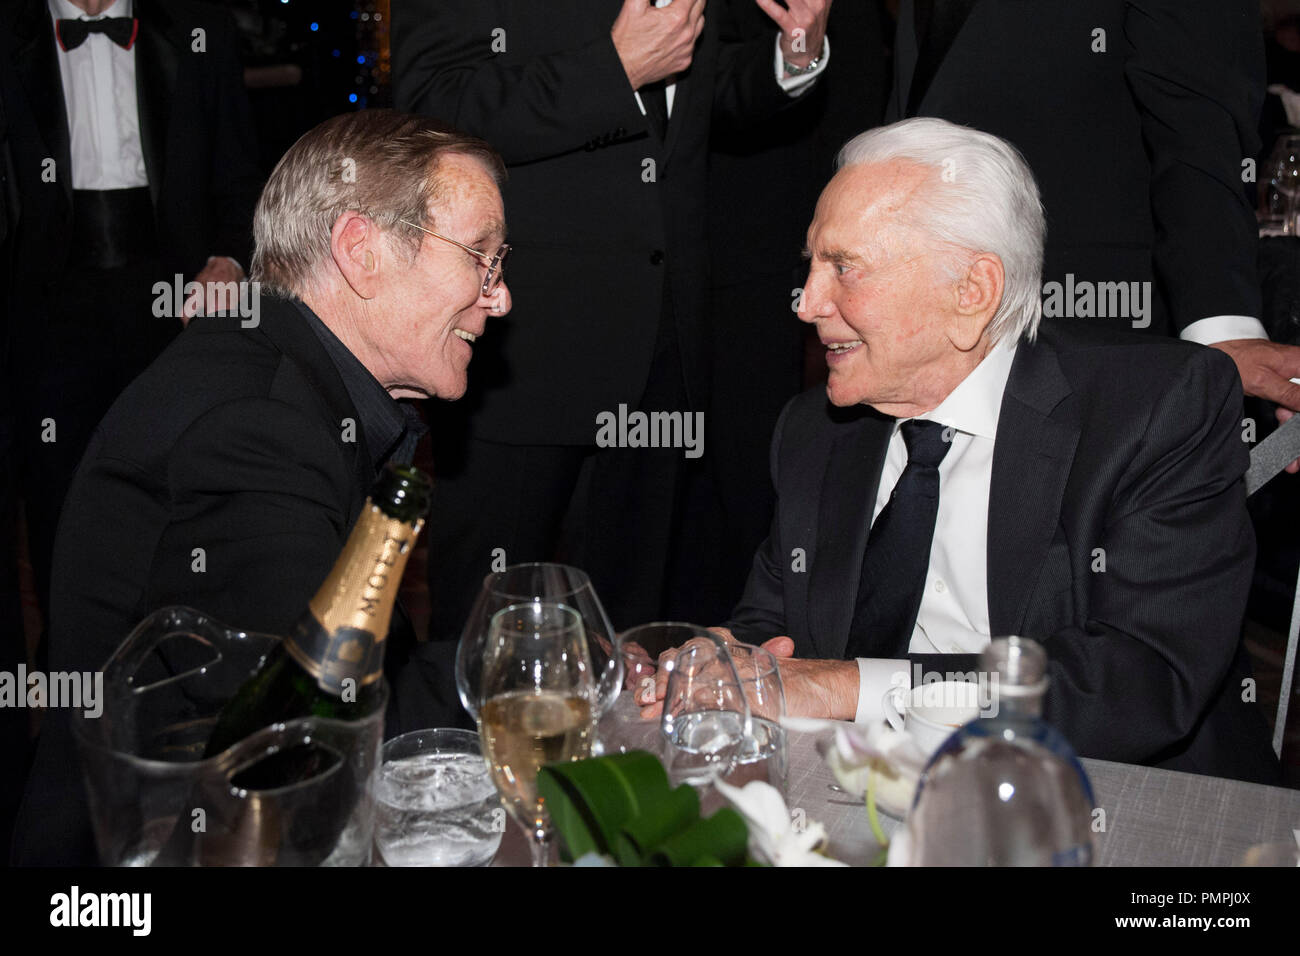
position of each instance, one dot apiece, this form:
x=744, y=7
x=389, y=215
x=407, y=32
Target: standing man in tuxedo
x=131, y=151
x=756, y=276
x=976, y=474
x=1139, y=119
x=602, y=110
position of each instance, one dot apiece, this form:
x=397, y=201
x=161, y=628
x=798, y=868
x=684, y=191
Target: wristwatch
x=792, y=70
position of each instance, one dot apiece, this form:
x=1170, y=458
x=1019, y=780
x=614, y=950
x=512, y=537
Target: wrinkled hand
x=803, y=27
x=650, y=694
x=653, y=42
x=1266, y=369
x=827, y=689
x=219, y=269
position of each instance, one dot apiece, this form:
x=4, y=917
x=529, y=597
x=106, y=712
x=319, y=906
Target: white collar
x=974, y=405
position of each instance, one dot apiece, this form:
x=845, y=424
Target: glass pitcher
x=154, y=800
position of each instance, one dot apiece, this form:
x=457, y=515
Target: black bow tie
x=72, y=33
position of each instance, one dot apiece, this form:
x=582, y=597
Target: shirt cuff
x=1223, y=328
x=875, y=676
x=794, y=85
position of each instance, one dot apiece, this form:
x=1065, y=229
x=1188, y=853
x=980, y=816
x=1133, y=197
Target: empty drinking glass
x=706, y=717
x=763, y=756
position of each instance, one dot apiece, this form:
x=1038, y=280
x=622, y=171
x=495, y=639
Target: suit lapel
x=848, y=493
x=1031, y=464
x=935, y=31
x=157, y=62
x=37, y=66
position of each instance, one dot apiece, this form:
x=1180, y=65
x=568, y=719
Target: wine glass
x=547, y=583
x=706, y=717
x=536, y=705
x=643, y=646
x=763, y=755
x=1285, y=177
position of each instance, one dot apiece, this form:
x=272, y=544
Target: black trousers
x=621, y=506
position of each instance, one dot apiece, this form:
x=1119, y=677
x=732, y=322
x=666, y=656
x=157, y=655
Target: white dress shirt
x=954, y=614
x=103, y=114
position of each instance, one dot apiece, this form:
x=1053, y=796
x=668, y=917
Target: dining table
x=1151, y=817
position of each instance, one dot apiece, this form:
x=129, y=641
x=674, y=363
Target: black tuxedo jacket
x=1138, y=150
x=233, y=441
x=1114, y=441
x=593, y=240
x=195, y=129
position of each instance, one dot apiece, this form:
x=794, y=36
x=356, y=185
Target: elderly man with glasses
x=228, y=475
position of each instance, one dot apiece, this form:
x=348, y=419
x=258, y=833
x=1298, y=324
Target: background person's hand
x=803, y=27
x=1266, y=369
x=654, y=43
x=214, y=298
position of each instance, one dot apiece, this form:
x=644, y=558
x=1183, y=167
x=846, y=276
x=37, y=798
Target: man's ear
x=357, y=248
x=978, y=295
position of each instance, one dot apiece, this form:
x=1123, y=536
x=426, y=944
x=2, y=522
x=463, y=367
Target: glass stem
x=541, y=844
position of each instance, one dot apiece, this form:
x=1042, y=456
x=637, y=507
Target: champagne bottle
x=331, y=663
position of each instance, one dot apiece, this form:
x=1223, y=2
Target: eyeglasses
x=496, y=263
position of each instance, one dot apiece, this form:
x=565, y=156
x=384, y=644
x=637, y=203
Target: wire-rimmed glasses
x=496, y=263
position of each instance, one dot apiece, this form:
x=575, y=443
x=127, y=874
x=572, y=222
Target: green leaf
x=656, y=823
x=717, y=840
x=621, y=805
x=590, y=801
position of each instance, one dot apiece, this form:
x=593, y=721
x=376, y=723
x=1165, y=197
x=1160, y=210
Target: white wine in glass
x=536, y=706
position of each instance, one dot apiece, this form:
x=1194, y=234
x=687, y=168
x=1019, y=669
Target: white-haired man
x=228, y=476
x=975, y=475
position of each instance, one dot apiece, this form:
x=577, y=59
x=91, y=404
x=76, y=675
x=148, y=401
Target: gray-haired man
x=228, y=475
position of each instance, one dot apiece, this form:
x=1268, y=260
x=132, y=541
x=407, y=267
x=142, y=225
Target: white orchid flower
x=857, y=750
x=773, y=836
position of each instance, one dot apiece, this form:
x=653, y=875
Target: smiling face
x=896, y=325
x=432, y=310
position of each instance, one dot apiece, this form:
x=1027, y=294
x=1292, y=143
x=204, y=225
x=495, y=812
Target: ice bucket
x=154, y=800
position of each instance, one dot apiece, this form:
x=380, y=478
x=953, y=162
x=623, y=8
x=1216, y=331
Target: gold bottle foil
x=343, y=636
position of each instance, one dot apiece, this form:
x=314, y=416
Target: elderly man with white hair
x=975, y=474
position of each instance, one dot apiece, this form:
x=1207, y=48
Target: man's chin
x=452, y=393
x=840, y=396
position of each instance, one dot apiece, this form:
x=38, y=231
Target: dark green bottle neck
x=402, y=492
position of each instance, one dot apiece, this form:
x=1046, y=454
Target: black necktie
x=72, y=33
x=655, y=98
x=898, y=549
